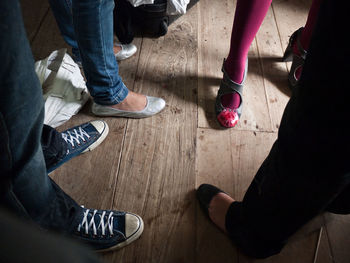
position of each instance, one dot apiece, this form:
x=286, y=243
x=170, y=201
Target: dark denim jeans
x=25, y=186
x=53, y=145
x=87, y=26
x=28, y=244
x=307, y=171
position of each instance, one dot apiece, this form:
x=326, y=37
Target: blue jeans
x=25, y=187
x=87, y=26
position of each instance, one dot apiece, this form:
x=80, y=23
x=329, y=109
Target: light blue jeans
x=87, y=26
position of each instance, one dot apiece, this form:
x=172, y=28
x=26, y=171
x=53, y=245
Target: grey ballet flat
x=298, y=60
x=127, y=50
x=154, y=105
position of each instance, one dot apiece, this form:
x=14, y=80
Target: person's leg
x=306, y=34
x=21, y=242
x=307, y=168
x=93, y=26
x=53, y=145
x=62, y=10
x=21, y=113
x=302, y=41
x=31, y=192
x=88, y=27
x=248, y=18
x=60, y=147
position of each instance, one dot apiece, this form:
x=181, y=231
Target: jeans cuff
x=115, y=98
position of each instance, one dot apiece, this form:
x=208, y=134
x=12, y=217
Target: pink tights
x=248, y=18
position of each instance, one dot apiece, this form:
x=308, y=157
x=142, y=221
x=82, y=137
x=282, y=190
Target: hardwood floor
x=152, y=166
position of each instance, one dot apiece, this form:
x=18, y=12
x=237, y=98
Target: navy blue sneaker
x=81, y=139
x=105, y=230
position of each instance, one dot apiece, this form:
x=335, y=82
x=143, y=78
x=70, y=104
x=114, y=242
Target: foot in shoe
x=132, y=102
x=228, y=104
x=133, y=106
x=231, y=100
x=116, y=49
x=106, y=230
x=229, y=117
x=81, y=139
x=214, y=203
x=295, y=52
x=218, y=208
x=124, y=51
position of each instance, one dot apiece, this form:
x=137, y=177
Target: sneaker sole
x=131, y=239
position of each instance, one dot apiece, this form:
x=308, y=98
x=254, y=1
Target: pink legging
x=248, y=18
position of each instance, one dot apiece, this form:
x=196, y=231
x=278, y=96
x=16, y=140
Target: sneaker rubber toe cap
x=133, y=226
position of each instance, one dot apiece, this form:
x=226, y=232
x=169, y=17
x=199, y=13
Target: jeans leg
x=22, y=242
x=308, y=166
x=30, y=192
x=53, y=145
x=62, y=10
x=93, y=24
x=22, y=111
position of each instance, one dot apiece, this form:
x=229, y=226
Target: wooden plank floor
x=152, y=166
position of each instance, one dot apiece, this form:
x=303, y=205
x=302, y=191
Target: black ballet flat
x=205, y=194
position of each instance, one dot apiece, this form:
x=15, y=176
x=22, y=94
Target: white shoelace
x=75, y=136
x=86, y=225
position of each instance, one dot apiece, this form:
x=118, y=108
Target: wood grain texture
x=152, y=166
x=274, y=71
x=48, y=38
x=34, y=13
x=228, y=159
x=301, y=250
x=215, y=25
x=157, y=171
x=324, y=254
x=214, y=43
x=289, y=16
x=91, y=178
x=338, y=232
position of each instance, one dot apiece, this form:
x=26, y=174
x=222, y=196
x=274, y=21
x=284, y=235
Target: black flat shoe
x=205, y=194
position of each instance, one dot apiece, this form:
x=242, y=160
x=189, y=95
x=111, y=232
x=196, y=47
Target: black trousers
x=307, y=170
